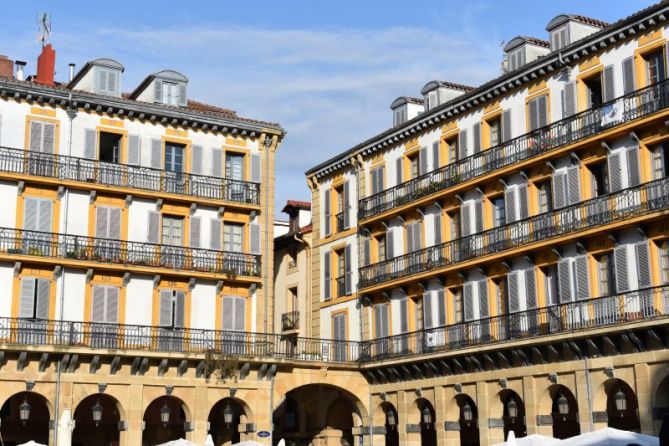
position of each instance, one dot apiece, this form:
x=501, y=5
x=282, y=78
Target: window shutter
x=43, y=291
x=156, y=153
x=437, y=229
x=620, y=267
x=254, y=232
x=98, y=305
x=327, y=215
x=422, y=161
x=427, y=309
x=607, y=80
x=112, y=82
x=240, y=314
x=90, y=136
x=441, y=307
x=346, y=190
x=134, y=150
x=532, y=106
x=559, y=199
x=477, y=137
x=530, y=289
x=157, y=90
x=633, y=167
x=464, y=217
x=326, y=276
x=462, y=144
x=390, y=244
x=49, y=138
x=101, y=80
x=45, y=216
x=228, y=316
x=435, y=155
x=255, y=168
x=417, y=236
x=478, y=210
x=628, y=75
x=114, y=231
x=484, y=307
x=468, y=291
x=564, y=280
x=404, y=315
x=153, y=235
x=27, y=303
x=409, y=235
x=183, y=98
x=569, y=99
x=179, y=308
x=165, y=308
x=522, y=195
x=366, y=251
x=111, y=307
x=582, y=280
x=510, y=204
x=643, y=264
x=615, y=177
x=30, y=215
x=378, y=328
x=380, y=176
x=215, y=234
x=514, y=300
x=574, y=185
x=195, y=229
x=196, y=160
x=506, y=125
x=542, y=105
x=398, y=171
x=35, y=144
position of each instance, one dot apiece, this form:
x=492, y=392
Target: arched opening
x=227, y=421
x=164, y=420
x=469, y=421
x=96, y=421
x=391, y=423
x=622, y=406
x=661, y=407
x=318, y=413
x=564, y=410
x=428, y=433
x=25, y=416
x=513, y=414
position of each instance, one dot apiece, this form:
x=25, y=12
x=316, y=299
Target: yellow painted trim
x=588, y=64
x=238, y=142
x=112, y=122
x=411, y=144
x=56, y=122
x=124, y=141
x=37, y=272
x=649, y=37
x=39, y=111
x=485, y=127
x=176, y=132
x=581, y=87
x=537, y=88
x=449, y=128
x=641, y=74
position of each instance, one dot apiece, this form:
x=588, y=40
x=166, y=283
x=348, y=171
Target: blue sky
x=326, y=70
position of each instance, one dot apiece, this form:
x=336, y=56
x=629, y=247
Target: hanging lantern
x=227, y=414
x=97, y=413
x=390, y=418
x=165, y=414
x=24, y=411
x=427, y=415
x=621, y=401
x=563, y=406
x=467, y=412
x=512, y=409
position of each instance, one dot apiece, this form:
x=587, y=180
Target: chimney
x=6, y=67
x=46, y=63
x=20, y=70
x=71, y=65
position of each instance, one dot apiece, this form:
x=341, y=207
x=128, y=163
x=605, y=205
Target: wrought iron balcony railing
x=290, y=321
x=622, y=205
x=636, y=305
x=122, y=175
x=48, y=244
x=629, y=107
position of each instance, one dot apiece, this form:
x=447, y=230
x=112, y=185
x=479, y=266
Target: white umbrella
x=180, y=442
x=282, y=442
x=611, y=437
x=209, y=441
x=247, y=443
x=511, y=439
x=65, y=428
x=32, y=443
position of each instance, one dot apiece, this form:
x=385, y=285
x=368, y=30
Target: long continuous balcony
x=75, y=247
x=645, y=304
x=623, y=205
x=84, y=170
x=627, y=108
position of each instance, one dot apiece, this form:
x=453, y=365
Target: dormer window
x=170, y=93
x=165, y=87
x=100, y=76
x=399, y=116
x=431, y=100
x=560, y=38
x=516, y=59
x=107, y=81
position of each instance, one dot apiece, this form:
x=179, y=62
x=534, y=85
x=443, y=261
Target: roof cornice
x=639, y=22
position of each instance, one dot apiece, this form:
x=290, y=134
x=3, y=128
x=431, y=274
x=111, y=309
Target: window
x=516, y=59
x=593, y=89
x=655, y=67
x=399, y=116
x=414, y=166
x=172, y=308
x=550, y=285
x=454, y=226
x=560, y=38
x=456, y=297
x=344, y=271
x=104, y=305
x=664, y=261
x=234, y=166
x=234, y=313
x=174, y=157
x=545, y=197
x=172, y=231
x=381, y=325
x=452, y=145
x=494, y=125
x=37, y=214
x=599, y=178
x=107, y=81
x=660, y=162
x=537, y=112
x=377, y=175
x=34, y=303
x=414, y=237
x=339, y=327
x=233, y=237
x=431, y=100
x=170, y=93
x=500, y=294
x=381, y=243
x=499, y=213
x=42, y=137
x=110, y=147
x=605, y=274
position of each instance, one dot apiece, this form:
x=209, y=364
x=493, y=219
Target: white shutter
x=435, y=155
x=564, y=280
x=477, y=137
x=464, y=218
x=180, y=309
x=240, y=314
x=398, y=171
x=417, y=236
x=574, y=185
x=462, y=144
x=101, y=221
x=620, y=267
x=582, y=278
x=165, y=308
x=153, y=235
x=522, y=196
x=42, y=303
x=157, y=90
x=615, y=175
x=183, y=98
x=628, y=75
x=404, y=315
x=196, y=160
x=156, y=154
x=643, y=264
x=35, y=144
x=513, y=292
x=326, y=276
x=114, y=231
x=532, y=109
x=255, y=168
x=49, y=138
x=510, y=204
x=569, y=99
x=90, y=142
x=468, y=291
x=228, y=316
x=30, y=215
x=111, y=307
x=427, y=309
x=215, y=234
x=254, y=237
x=195, y=229
x=506, y=125
x=27, y=301
x=98, y=304
x=45, y=216
x=633, y=174
x=608, y=88
x=484, y=307
x=134, y=150
x=559, y=198
x=422, y=161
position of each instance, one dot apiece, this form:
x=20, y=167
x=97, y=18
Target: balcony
x=635, y=105
x=645, y=304
x=290, y=321
x=121, y=252
x=619, y=206
x=84, y=170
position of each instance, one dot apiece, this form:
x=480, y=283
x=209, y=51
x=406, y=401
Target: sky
x=325, y=70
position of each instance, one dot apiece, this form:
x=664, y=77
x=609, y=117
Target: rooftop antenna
x=44, y=24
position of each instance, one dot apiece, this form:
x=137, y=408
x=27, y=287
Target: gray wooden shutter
x=27, y=302
x=510, y=204
x=628, y=75
x=620, y=268
x=180, y=309
x=346, y=190
x=435, y=155
x=582, y=280
x=478, y=210
x=380, y=178
x=196, y=160
x=114, y=232
x=615, y=176
x=183, y=98
x=165, y=308
x=506, y=125
x=216, y=162
x=390, y=244
x=98, y=304
x=569, y=99
x=633, y=167
x=534, y=123
x=522, y=195
x=437, y=228
x=112, y=82
x=366, y=251
x=195, y=229
x=30, y=215
x=404, y=315
x=441, y=307
x=153, y=236
x=45, y=216
x=42, y=304
x=35, y=143
x=468, y=292
x=542, y=106
x=409, y=235
x=462, y=144
x=427, y=309
x=484, y=306
x=157, y=90
x=90, y=140
x=559, y=199
x=477, y=137
x=134, y=150
x=643, y=264
x=111, y=307
x=228, y=319
x=464, y=218
x=101, y=78
x=326, y=276
x=514, y=300
x=327, y=216
x=156, y=153
x=574, y=185
x=564, y=280
x=254, y=233
x=422, y=161
x=240, y=314
x=255, y=168
x=398, y=171
x=417, y=236
x=49, y=138
x=530, y=288
x=215, y=234
x=608, y=89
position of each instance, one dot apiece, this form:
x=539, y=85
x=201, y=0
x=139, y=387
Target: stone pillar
x=402, y=416
x=584, y=400
x=135, y=415
x=451, y=434
x=483, y=404
x=642, y=384
x=200, y=415
x=412, y=435
x=531, y=405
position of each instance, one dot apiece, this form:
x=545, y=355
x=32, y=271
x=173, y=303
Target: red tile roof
x=296, y=204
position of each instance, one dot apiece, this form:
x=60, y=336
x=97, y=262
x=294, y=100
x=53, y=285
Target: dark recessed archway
x=469, y=421
x=88, y=432
x=16, y=430
x=564, y=411
x=622, y=406
x=226, y=419
x=513, y=414
x=164, y=420
x=428, y=433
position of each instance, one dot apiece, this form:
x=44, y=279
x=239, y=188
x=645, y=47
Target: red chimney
x=46, y=64
x=6, y=67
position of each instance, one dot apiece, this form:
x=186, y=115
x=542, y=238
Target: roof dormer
x=566, y=29
x=405, y=109
x=436, y=93
x=522, y=50
x=101, y=76
x=165, y=87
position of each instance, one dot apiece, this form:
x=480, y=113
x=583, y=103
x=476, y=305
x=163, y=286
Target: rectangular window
x=172, y=231
x=454, y=219
x=234, y=313
x=537, y=112
x=550, y=285
x=110, y=147
x=593, y=89
x=655, y=67
x=381, y=253
x=499, y=211
x=233, y=237
x=452, y=145
x=664, y=261
x=170, y=93
x=605, y=274
x=104, y=305
x=660, y=162
x=545, y=198
x=172, y=308
x=381, y=325
x=377, y=179
x=42, y=137
x=599, y=177
x=494, y=126
x=174, y=157
x=414, y=166
x=234, y=166
x=34, y=298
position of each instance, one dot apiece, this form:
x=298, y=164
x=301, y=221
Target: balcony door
x=107, y=245
x=172, y=320
x=234, y=170
x=174, y=168
x=37, y=223
x=476, y=310
x=339, y=336
x=381, y=330
x=34, y=310
x=104, y=316
x=234, y=325
x=172, y=252
x=41, y=148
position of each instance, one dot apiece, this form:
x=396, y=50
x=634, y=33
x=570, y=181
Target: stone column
x=531, y=404
x=642, y=384
x=585, y=405
x=200, y=414
x=135, y=415
x=482, y=404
